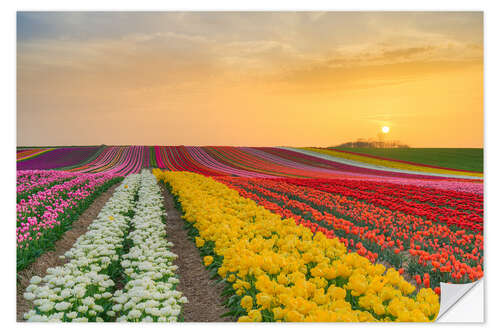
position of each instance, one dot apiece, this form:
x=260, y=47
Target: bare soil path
x=203, y=294
x=51, y=258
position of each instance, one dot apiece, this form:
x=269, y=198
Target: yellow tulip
x=293, y=316
x=278, y=313
x=291, y=270
x=247, y=303
x=199, y=241
x=336, y=292
x=255, y=315
x=245, y=319
x=264, y=300
x=379, y=308
x=207, y=260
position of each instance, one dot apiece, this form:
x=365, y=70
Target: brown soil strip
x=406, y=259
x=51, y=258
x=203, y=294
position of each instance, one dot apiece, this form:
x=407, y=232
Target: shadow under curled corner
x=462, y=302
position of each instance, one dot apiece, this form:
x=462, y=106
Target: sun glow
x=385, y=129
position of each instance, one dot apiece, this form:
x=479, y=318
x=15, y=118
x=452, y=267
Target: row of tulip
x=24, y=154
x=44, y=216
x=464, y=210
x=413, y=245
x=82, y=289
x=230, y=161
x=149, y=294
x=463, y=185
x=276, y=270
x=118, y=160
x=380, y=156
x=85, y=289
x=29, y=182
x=391, y=163
x=56, y=158
x=461, y=201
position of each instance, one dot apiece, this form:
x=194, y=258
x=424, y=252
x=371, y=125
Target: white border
x=492, y=107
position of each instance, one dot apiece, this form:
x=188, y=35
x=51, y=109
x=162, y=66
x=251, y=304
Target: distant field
x=470, y=159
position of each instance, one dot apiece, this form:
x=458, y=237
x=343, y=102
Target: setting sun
x=144, y=70
x=385, y=129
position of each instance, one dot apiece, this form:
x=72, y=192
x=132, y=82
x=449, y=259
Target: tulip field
x=47, y=204
x=83, y=289
x=291, y=234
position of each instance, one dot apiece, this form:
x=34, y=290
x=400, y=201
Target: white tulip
x=35, y=280
x=29, y=296
x=83, y=308
x=62, y=306
x=80, y=320
x=72, y=315
x=46, y=307
x=134, y=314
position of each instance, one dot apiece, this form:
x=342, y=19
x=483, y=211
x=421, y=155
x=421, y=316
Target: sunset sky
x=249, y=78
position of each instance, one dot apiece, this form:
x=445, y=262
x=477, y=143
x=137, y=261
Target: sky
x=249, y=78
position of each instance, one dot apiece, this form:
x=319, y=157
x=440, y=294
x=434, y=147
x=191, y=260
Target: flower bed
x=55, y=158
x=276, y=270
x=372, y=160
x=46, y=214
x=29, y=182
x=81, y=290
x=149, y=294
x=86, y=288
x=435, y=251
x=461, y=209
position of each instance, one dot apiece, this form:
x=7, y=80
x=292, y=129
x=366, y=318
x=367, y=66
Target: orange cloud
x=250, y=79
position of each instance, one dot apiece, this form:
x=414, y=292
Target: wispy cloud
x=182, y=62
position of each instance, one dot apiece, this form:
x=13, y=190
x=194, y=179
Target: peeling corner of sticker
x=451, y=295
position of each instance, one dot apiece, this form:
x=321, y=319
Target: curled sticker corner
x=451, y=294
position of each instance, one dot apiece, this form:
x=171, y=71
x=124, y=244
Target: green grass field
x=470, y=159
